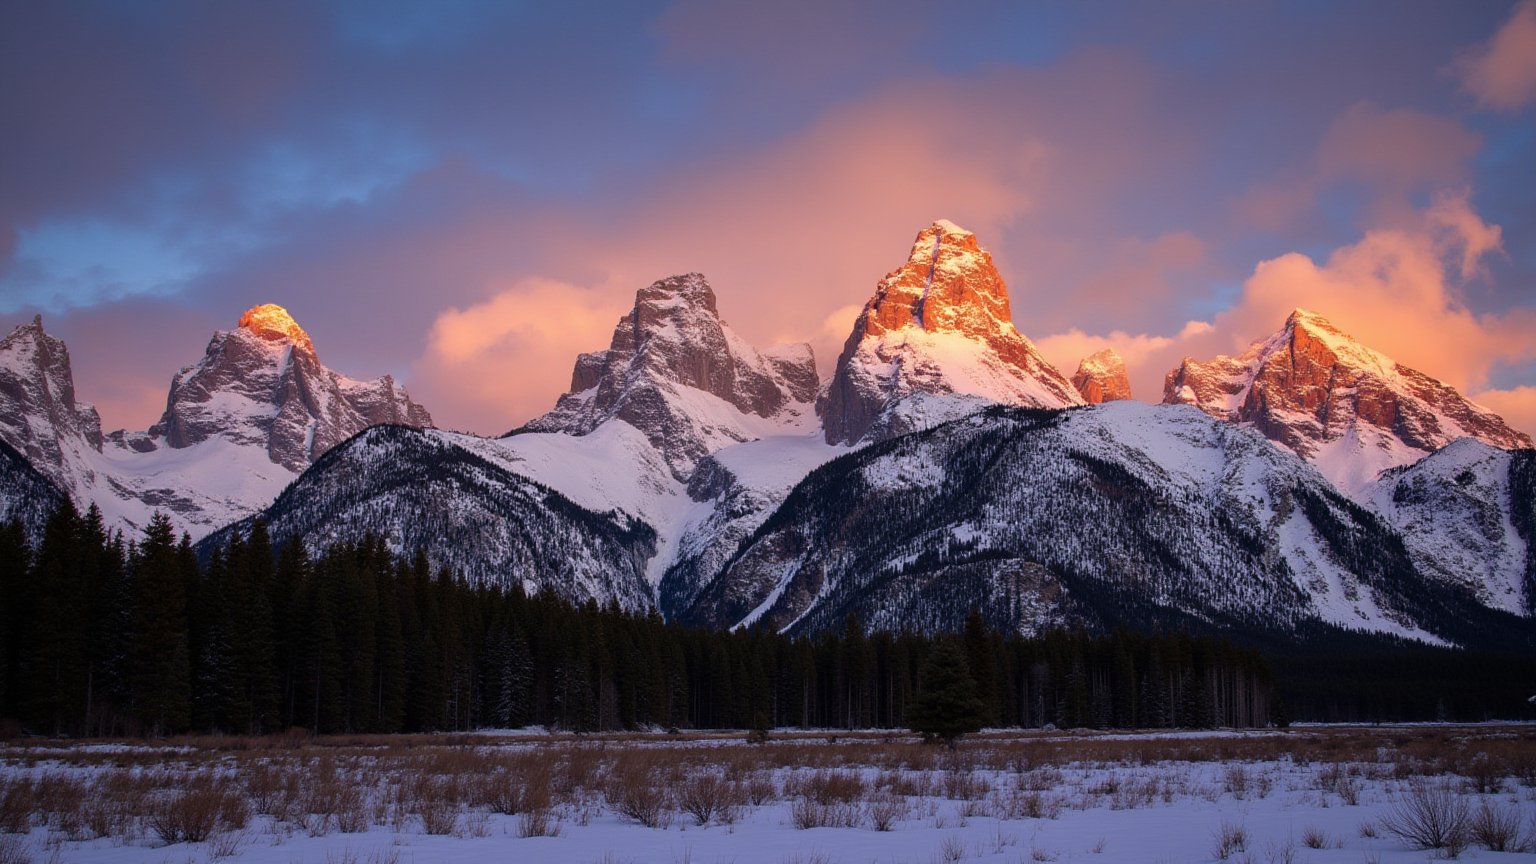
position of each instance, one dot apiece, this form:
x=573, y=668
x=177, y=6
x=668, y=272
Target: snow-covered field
x=1315, y=794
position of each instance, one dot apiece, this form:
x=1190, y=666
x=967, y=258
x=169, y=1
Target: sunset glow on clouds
x=469, y=201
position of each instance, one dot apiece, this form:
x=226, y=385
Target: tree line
x=104, y=635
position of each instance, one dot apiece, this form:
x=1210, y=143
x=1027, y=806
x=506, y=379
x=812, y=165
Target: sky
x=465, y=195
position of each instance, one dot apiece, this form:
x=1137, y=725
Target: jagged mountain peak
x=936, y=338
x=678, y=373
x=1101, y=377
x=1346, y=407
x=39, y=414
x=273, y=322
x=262, y=384
x=948, y=284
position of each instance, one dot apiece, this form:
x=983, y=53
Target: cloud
x=383, y=180
x=1397, y=290
x=1517, y=406
x=496, y=360
x=1501, y=73
x=1393, y=155
x=1140, y=351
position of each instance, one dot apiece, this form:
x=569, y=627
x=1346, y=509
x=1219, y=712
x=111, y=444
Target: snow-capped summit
x=681, y=376
x=936, y=340
x=39, y=415
x=239, y=425
x=262, y=384
x=1347, y=408
x=1101, y=378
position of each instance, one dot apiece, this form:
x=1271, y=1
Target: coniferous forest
x=103, y=635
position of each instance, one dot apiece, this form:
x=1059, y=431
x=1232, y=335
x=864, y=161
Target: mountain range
x=945, y=467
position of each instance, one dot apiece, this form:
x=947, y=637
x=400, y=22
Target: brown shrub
x=886, y=810
x=1430, y=815
x=833, y=787
x=635, y=790
x=1497, y=828
x=17, y=804
x=203, y=804
x=706, y=796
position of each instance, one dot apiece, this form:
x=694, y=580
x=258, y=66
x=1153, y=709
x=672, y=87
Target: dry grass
x=460, y=784
x=1230, y=838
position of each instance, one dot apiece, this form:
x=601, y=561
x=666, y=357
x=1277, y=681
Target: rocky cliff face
x=675, y=371
x=1101, y=378
x=237, y=428
x=262, y=384
x=39, y=415
x=936, y=340
x=1350, y=410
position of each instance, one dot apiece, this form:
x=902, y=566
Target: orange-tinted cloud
x=807, y=225
x=1517, y=406
x=507, y=351
x=1501, y=73
x=1396, y=290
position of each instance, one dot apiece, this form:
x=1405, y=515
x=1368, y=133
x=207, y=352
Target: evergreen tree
x=15, y=561
x=946, y=706
x=160, y=673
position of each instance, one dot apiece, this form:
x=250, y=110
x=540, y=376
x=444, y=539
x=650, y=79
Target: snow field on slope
x=1146, y=800
x=964, y=365
x=1457, y=519
x=226, y=481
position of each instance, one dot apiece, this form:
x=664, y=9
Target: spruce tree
x=160, y=675
x=946, y=706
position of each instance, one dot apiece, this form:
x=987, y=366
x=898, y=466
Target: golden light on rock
x=271, y=321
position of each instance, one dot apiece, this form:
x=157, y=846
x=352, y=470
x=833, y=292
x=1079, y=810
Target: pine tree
x=15, y=561
x=946, y=706
x=160, y=675
x=54, y=660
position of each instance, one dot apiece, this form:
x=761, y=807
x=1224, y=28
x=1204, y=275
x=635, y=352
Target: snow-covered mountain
x=1467, y=514
x=1118, y=513
x=945, y=467
x=936, y=341
x=1101, y=377
x=418, y=489
x=26, y=494
x=262, y=384
x=1348, y=409
x=39, y=415
x=239, y=425
x=676, y=372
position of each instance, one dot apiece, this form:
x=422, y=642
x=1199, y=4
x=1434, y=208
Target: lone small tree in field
x=947, y=705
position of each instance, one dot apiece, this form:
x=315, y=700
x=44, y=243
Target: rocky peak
x=1350, y=409
x=948, y=285
x=938, y=326
x=39, y=415
x=262, y=384
x=668, y=351
x=1101, y=378
x=273, y=323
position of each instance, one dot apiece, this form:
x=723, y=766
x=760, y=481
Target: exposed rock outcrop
x=936, y=340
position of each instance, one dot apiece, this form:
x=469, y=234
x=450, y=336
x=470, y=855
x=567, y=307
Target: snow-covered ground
x=1313, y=795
